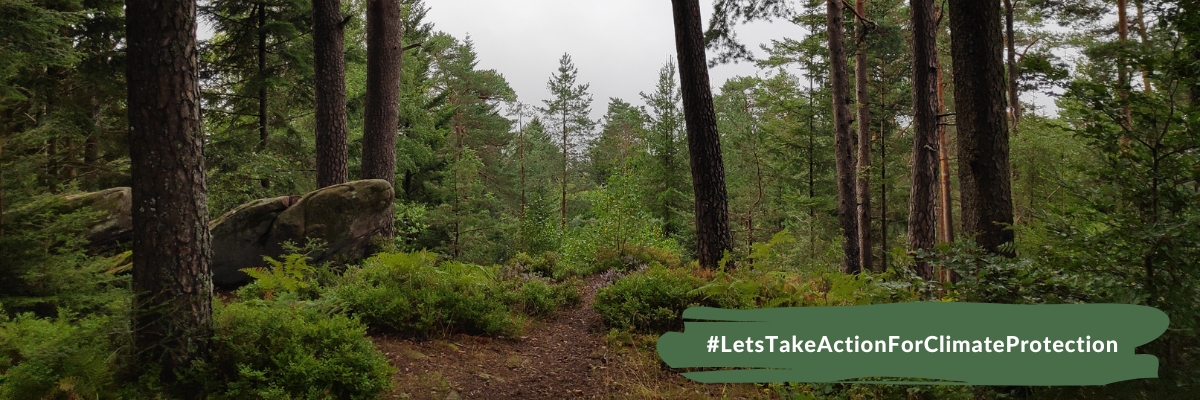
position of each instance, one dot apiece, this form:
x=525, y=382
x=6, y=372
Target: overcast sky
x=617, y=45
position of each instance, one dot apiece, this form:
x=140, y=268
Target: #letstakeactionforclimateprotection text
x=896, y=344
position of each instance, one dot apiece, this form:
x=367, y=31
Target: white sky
x=617, y=45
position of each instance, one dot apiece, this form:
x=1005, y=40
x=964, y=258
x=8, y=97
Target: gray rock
x=345, y=217
x=114, y=223
x=239, y=238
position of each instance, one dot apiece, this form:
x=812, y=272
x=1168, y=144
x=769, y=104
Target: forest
x=332, y=199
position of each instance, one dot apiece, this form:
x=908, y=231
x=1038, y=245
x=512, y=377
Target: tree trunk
x=262, y=85
x=979, y=102
x=843, y=143
x=562, y=209
x=329, y=68
x=863, y=188
x=946, y=209
x=704, y=143
x=923, y=194
x=1014, y=94
x=883, y=187
x=172, y=321
x=1122, y=68
x=382, y=114
x=1141, y=24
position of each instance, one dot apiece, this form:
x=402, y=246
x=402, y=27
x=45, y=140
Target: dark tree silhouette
x=172, y=320
x=704, y=143
x=330, y=70
x=979, y=102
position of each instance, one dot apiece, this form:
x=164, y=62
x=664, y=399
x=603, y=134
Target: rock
x=115, y=224
x=345, y=217
x=239, y=238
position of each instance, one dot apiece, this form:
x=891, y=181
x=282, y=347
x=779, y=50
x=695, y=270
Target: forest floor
x=567, y=356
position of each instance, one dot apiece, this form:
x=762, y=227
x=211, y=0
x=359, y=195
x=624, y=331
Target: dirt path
x=565, y=357
x=560, y=358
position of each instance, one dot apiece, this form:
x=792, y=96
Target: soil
x=564, y=357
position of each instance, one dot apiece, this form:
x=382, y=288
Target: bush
x=56, y=358
x=412, y=293
x=648, y=301
x=282, y=350
x=46, y=266
x=653, y=300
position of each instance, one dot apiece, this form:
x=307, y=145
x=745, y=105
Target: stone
x=114, y=225
x=344, y=217
x=239, y=238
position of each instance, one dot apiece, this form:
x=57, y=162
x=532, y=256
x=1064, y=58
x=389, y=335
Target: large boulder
x=344, y=217
x=114, y=223
x=239, y=238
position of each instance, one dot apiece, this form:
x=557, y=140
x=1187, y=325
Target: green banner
x=955, y=343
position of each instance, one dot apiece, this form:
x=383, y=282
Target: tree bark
x=923, y=194
x=382, y=114
x=863, y=188
x=1141, y=24
x=1014, y=94
x=946, y=208
x=843, y=143
x=1122, y=68
x=329, y=70
x=172, y=322
x=262, y=85
x=979, y=101
x=713, y=238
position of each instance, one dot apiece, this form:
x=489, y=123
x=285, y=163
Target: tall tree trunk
x=262, y=85
x=946, y=209
x=843, y=143
x=1122, y=68
x=329, y=68
x=562, y=207
x=883, y=187
x=863, y=188
x=704, y=143
x=382, y=114
x=1014, y=94
x=91, y=148
x=172, y=322
x=923, y=194
x=1145, y=36
x=984, y=181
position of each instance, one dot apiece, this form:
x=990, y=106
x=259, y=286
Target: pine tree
x=843, y=143
x=330, y=85
x=172, y=321
x=666, y=142
x=979, y=101
x=566, y=113
x=704, y=142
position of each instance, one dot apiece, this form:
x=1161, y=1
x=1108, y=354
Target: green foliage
x=281, y=350
x=413, y=294
x=649, y=301
x=46, y=267
x=60, y=358
x=292, y=275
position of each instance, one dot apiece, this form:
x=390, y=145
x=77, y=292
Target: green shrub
x=653, y=300
x=412, y=293
x=283, y=350
x=56, y=358
x=546, y=265
x=539, y=297
x=293, y=275
x=647, y=301
x=631, y=257
x=45, y=265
